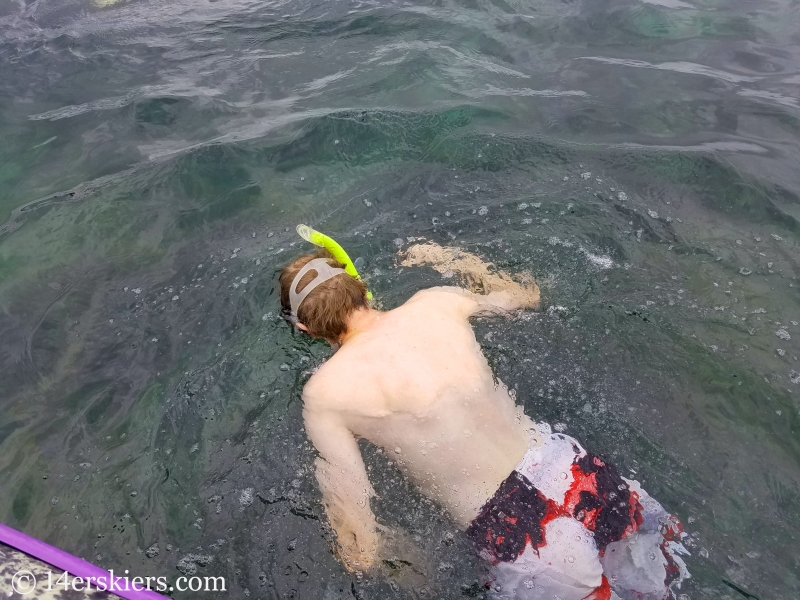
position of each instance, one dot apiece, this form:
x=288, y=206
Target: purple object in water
x=76, y=567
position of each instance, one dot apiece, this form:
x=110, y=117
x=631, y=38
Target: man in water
x=552, y=519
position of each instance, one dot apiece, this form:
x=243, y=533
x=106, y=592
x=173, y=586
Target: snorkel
x=319, y=265
x=332, y=246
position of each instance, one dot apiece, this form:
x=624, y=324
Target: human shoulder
x=317, y=392
x=446, y=296
x=332, y=384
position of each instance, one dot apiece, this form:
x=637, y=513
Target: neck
x=359, y=321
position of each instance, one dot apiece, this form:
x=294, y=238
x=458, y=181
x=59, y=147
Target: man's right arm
x=495, y=302
x=502, y=291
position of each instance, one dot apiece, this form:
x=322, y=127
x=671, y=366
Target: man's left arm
x=345, y=487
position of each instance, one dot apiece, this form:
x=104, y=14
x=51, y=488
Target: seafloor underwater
x=640, y=158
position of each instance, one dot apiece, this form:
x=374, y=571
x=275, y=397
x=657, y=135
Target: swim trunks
x=565, y=525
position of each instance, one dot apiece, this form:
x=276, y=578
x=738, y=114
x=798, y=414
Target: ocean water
x=639, y=158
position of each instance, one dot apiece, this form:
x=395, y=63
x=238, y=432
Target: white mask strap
x=324, y=272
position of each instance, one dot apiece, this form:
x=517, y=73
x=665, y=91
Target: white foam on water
x=676, y=4
x=598, y=260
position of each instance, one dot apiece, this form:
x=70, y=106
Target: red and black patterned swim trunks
x=566, y=524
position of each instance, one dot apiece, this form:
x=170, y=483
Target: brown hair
x=326, y=309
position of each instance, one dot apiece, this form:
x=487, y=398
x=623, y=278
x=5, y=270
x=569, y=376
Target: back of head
x=327, y=308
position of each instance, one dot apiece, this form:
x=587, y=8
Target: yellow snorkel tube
x=332, y=246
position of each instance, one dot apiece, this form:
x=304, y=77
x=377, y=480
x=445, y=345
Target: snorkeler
x=553, y=520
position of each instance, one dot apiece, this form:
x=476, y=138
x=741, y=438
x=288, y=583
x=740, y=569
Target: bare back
x=417, y=385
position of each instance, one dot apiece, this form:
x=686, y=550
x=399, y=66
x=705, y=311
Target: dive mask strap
x=324, y=272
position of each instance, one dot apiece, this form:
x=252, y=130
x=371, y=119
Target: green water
x=640, y=159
